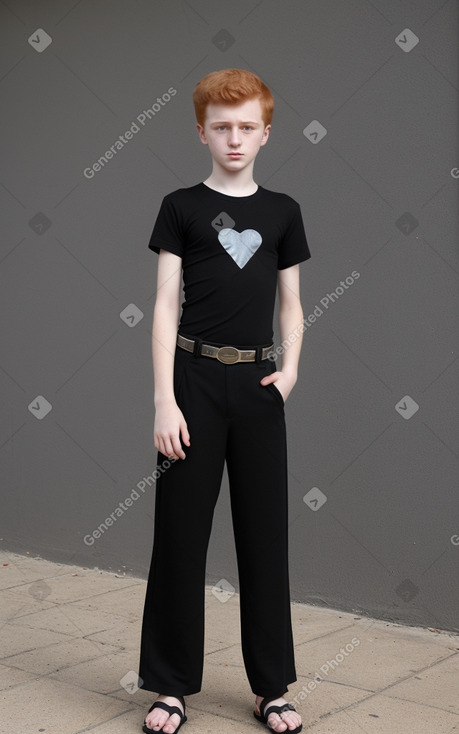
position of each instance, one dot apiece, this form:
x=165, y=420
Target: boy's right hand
x=169, y=424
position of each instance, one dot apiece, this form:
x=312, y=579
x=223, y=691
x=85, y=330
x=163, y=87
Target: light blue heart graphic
x=240, y=245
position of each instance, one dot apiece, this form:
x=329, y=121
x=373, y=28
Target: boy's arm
x=169, y=419
x=290, y=323
x=290, y=317
x=165, y=322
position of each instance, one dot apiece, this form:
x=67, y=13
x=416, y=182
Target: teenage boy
x=218, y=396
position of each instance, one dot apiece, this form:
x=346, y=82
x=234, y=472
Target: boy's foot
x=159, y=719
x=286, y=721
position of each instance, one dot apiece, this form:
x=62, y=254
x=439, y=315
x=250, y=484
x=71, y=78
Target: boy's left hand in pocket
x=284, y=382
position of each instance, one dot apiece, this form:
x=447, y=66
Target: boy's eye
x=225, y=127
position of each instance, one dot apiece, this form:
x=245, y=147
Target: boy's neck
x=237, y=184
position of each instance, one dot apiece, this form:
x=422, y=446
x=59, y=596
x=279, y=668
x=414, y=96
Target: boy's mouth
x=235, y=155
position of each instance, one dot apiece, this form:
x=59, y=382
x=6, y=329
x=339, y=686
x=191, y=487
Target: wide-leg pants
x=229, y=416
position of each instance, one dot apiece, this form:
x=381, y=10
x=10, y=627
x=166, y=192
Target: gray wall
x=378, y=194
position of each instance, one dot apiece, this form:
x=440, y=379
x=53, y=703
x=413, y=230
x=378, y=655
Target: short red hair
x=231, y=87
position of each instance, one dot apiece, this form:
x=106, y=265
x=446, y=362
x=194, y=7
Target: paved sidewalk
x=70, y=635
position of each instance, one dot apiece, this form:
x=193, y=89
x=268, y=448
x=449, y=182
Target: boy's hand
x=169, y=424
x=284, y=380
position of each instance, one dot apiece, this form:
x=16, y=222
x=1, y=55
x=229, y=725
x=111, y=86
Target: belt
x=225, y=354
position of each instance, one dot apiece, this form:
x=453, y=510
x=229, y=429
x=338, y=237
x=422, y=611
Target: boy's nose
x=234, y=137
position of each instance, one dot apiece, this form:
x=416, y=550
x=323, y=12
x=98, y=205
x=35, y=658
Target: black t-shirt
x=231, y=249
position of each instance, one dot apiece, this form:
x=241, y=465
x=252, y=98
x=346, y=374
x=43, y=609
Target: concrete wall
x=364, y=137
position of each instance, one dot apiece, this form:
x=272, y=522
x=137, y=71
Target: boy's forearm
x=164, y=336
x=290, y=323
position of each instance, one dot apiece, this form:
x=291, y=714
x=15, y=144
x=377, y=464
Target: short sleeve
x=294, y=247
x=168, y=230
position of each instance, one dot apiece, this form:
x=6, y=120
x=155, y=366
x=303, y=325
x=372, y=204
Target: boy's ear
x=265, y=137
x=201, y=134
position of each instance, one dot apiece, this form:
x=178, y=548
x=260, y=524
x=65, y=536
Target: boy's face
x=234, y=134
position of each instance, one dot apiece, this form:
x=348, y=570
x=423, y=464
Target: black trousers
x=229, y=416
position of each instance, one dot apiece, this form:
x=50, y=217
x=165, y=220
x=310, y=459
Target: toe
x=156, y=719
x=172, y=724
x=292, y=720
x=276, y=723
x=287, y=722
x=159, y=719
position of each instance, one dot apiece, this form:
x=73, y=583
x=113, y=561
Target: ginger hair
x=231, y=87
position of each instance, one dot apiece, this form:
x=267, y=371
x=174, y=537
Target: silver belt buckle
x=228, y=355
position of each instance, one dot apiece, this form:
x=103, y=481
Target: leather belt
x=225, y=354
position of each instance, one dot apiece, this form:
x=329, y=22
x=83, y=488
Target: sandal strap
x=279, y=709
x=265, y=710
x=167, y=707
x=265, y=701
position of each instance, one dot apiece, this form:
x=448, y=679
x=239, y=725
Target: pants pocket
x=271, y=367
x=276, y=392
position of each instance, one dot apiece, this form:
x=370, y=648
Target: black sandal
x=171, y=710
x=264, y=713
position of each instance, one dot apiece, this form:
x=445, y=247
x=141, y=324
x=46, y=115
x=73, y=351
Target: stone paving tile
x=310, y=623
x=384, y=715
x=436, y=686
x=101, y=674
x=14, y=604
x=69, y=620
x=315, y=699
x=17, y=641
x=125, y=634
x=16, y=570
x=77, y=586
x=381, y=657
x=55, y=707
x=58, y=656
x=13, y=676
x=128, y=602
